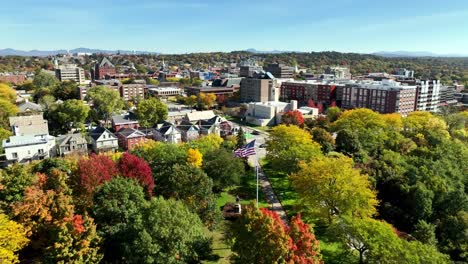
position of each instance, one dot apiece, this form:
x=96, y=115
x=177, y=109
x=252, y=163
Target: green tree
x=376, y=242
x=118, y=209
x=223, y=168
x=425, y=232
x=288, y=145
x=43, y=80
x=325, y=184
x=369, y=128
x=14, y=181
x=66, y=90
x=324, y=138
x=105, y=102
x=69, y=114
x=192, y=186
x=333, y=113
x=47, y=102
x=347, y=142
x=241, y=140
x=139, y=231
x=150, y=111
x=172, y=234
x=152, y=81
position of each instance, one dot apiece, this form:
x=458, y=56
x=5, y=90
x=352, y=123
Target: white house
x=103, y=140
x=23, y=149
x=168, y=132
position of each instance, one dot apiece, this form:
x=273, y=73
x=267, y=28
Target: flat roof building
x=280, y=70
x=386, y=96
x=70, y=72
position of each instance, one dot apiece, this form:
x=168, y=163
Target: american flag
x=247, y=150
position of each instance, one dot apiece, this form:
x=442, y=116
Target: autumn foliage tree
x=325, y=185
x=12, y=239
x=305, y=248
x=94, y=171
x=57, y=233
x=194, y=157
x=132, y=166
x=287, y=145
x=293, y=118
x=262, y=237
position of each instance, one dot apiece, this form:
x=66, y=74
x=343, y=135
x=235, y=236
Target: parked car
x=262, y=146
x=255, y=132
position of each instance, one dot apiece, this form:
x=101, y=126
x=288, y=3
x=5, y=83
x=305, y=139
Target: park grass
x=221, y=251
x=247, y=193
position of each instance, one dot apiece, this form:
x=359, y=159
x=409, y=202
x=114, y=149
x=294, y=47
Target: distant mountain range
x=388, y=54
x=392, y=54
x=43, y=53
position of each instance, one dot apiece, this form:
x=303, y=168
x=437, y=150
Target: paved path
x=270, y=195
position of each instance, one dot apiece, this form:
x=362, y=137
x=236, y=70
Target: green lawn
x=247, y=193
x=221, y=250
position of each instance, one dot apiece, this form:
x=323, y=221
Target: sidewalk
x=271, y=195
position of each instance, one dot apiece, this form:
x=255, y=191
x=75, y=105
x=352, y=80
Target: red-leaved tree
x=310, y=103
x=132, y=166
x=305, y=248
x=262, y=237
x=94, y=171
x=320, y=107
x=293, y=118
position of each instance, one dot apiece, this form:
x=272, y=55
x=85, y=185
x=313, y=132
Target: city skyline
x=209, y=26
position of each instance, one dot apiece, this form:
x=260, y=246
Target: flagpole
x=256, y=170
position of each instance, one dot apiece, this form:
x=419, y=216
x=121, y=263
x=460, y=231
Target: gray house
x=188, y=131
x=103, y=140
x=71, y=144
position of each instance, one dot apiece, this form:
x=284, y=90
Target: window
x=40, y=151
x=15, y=155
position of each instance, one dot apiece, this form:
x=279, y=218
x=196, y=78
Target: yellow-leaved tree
x=287, y=145
x=12, y=239
x=329, y=187
x=194, y=157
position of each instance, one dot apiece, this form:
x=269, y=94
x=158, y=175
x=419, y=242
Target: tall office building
x=259, y=88
x=280, y=70
x=70, y=72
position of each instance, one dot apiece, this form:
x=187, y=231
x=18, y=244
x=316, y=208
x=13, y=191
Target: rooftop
x=16, y=141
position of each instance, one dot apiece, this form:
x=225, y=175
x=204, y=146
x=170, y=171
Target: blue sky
x=180, y=26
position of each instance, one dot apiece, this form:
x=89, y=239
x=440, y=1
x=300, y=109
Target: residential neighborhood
x=152, y=132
